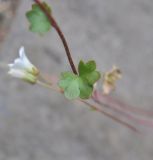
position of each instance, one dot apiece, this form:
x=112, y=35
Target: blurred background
x=39, y=124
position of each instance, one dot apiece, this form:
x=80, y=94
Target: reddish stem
x=111, y=116
x=98, y=108
x=145, y=122
x=60, y=33
x=106, y=99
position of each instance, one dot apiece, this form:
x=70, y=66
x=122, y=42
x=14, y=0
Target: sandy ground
x=7, y=12
x=39, y=124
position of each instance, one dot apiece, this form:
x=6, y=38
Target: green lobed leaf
x=39, y=22
x=66, y=79
x=87, y=71
x=88, y=67
x=81, y=85
x=72, y=91
x=85, y=89
x=69, y=82
x=74, y=86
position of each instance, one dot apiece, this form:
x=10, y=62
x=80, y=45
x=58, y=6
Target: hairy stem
x=106, y=99
x=98, y=109
x=60, y=33
x=93, y=107
x=129, y=116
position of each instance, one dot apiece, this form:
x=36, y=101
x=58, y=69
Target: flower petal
x=25, y=59
x=10, y=65
x=17, y=73
x=21, y=52
x=18, y=64
x=23, y=68
x=23, y=75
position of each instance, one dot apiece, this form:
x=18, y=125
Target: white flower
x=23, y=68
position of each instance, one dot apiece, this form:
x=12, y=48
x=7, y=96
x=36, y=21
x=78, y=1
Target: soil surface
x=7, y=12
x=39, y=124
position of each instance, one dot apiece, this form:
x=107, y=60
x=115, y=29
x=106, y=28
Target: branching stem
x=93, y=107
x=68, y=54
x=61, y=35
